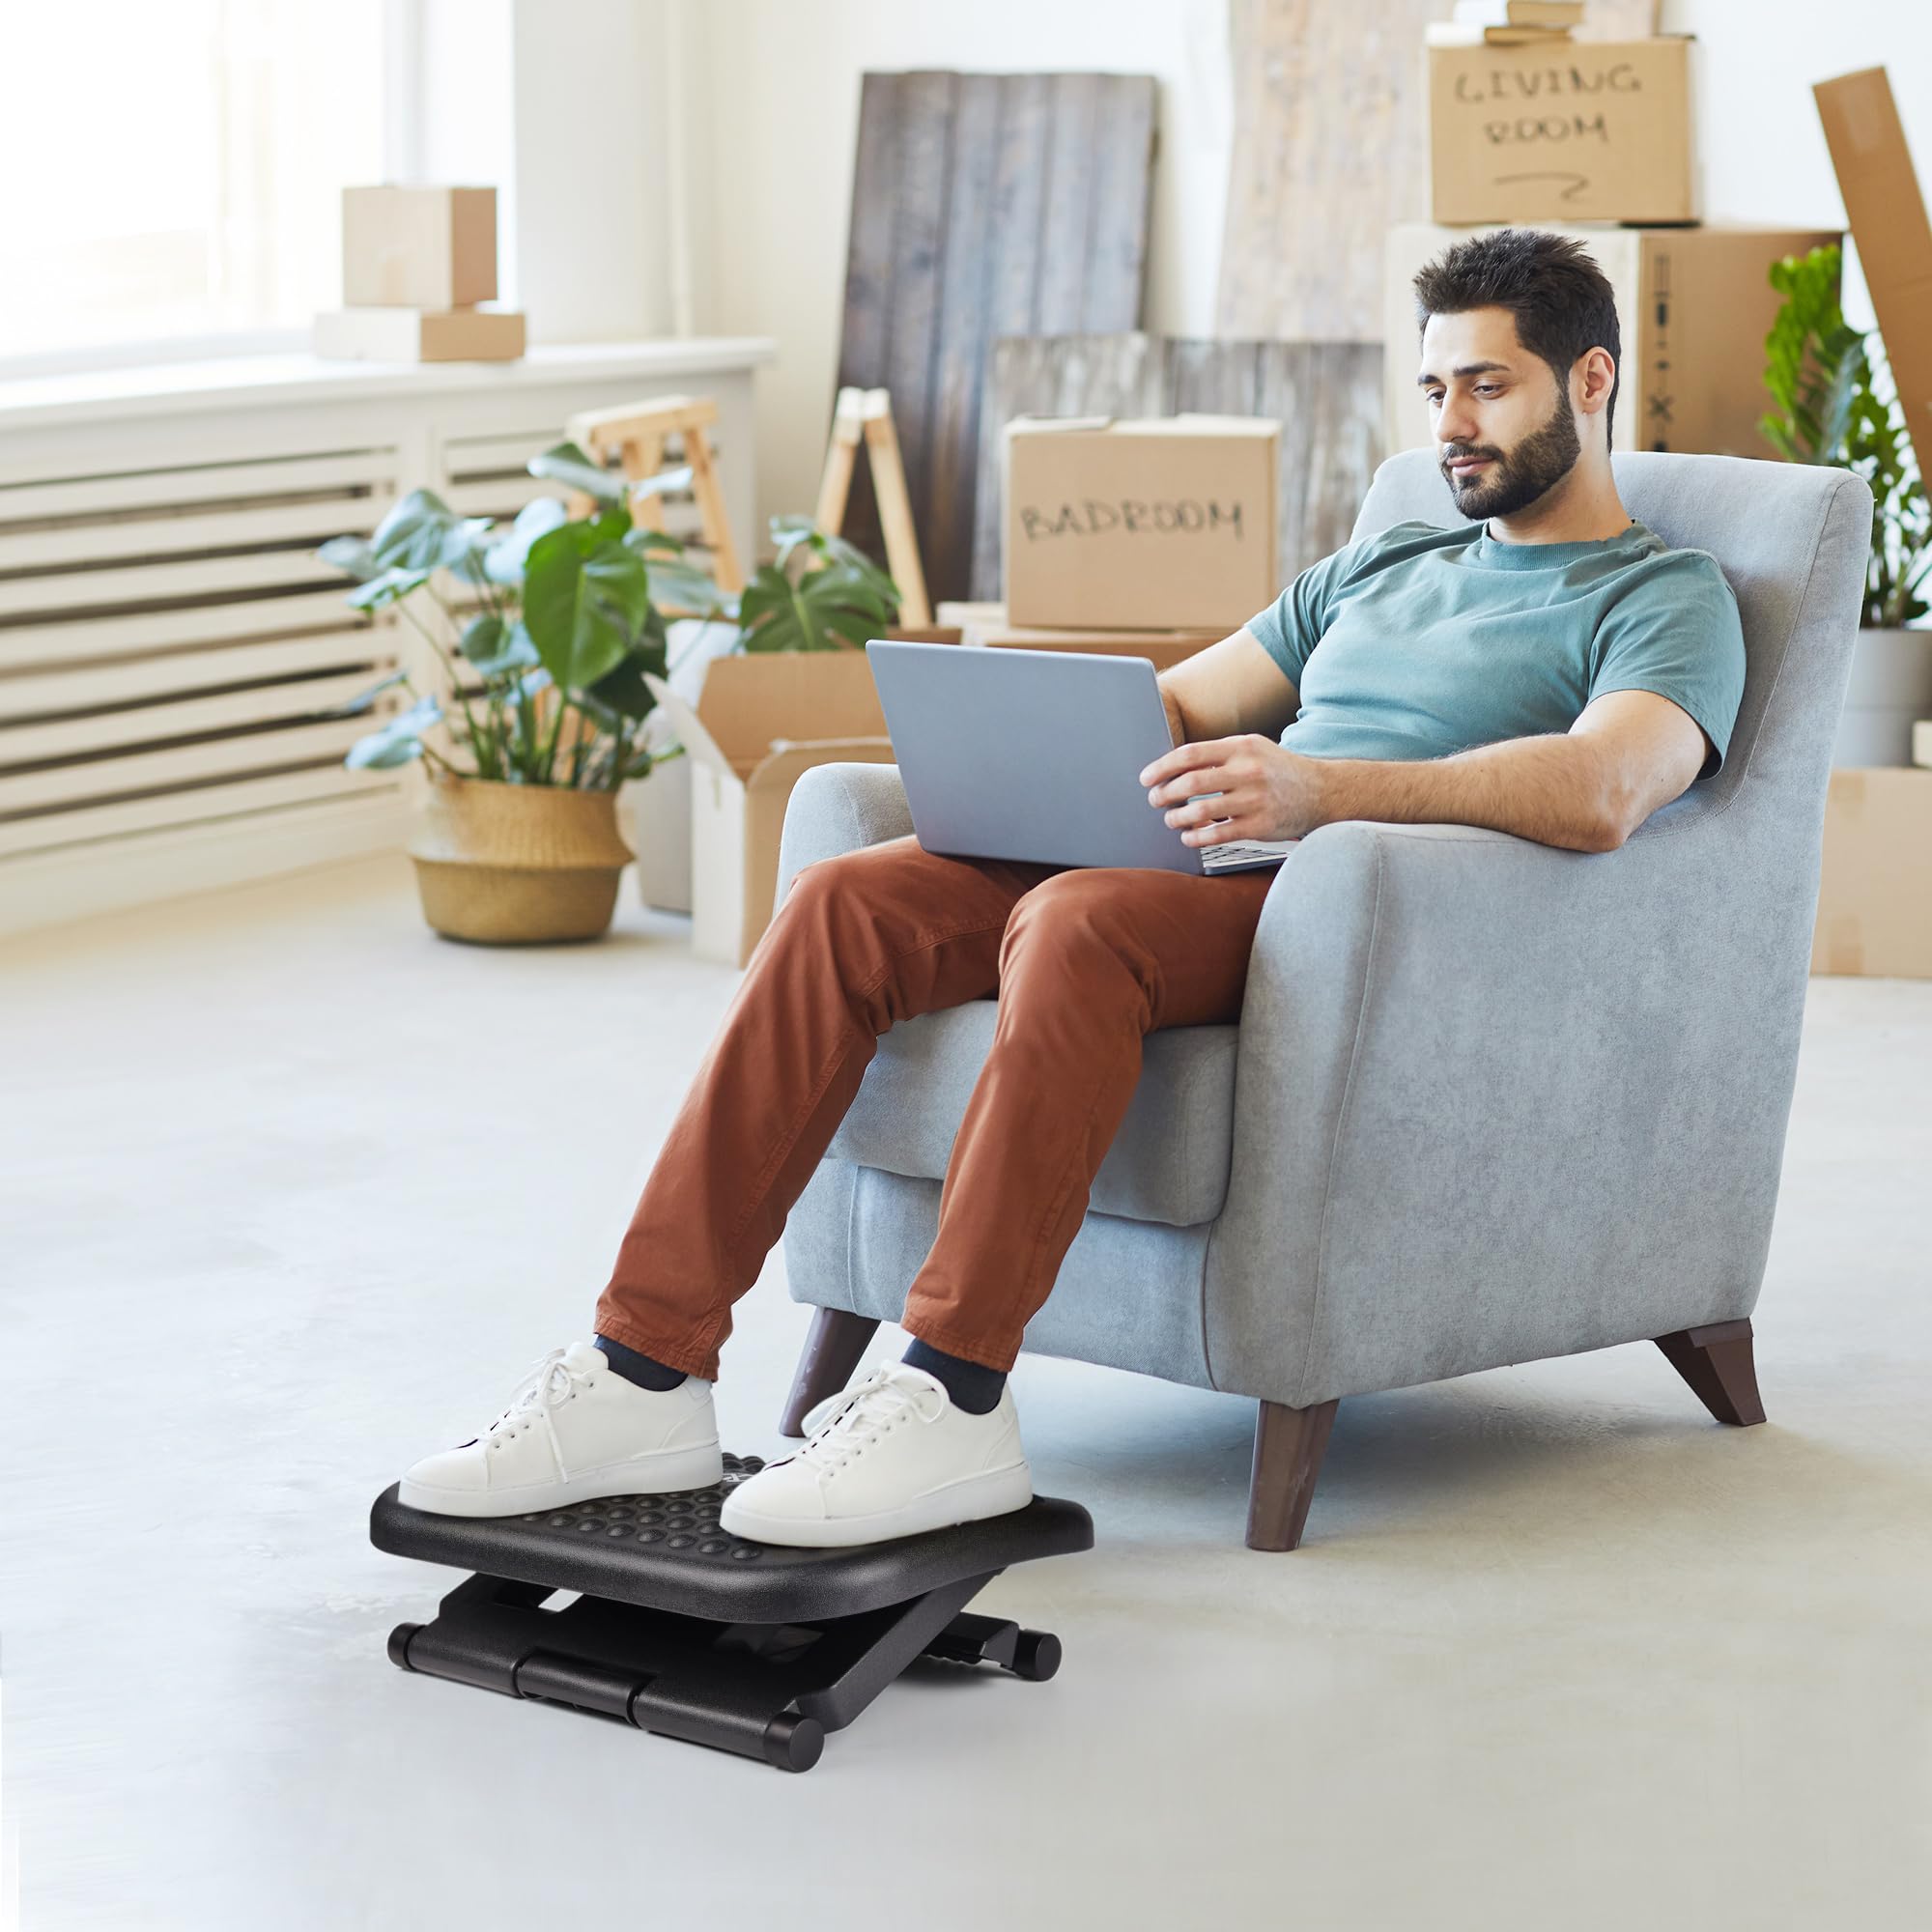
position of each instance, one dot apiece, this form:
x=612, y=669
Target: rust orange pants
x=1085, y=960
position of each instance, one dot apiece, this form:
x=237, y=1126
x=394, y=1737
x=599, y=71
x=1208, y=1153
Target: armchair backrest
x=1792, y=540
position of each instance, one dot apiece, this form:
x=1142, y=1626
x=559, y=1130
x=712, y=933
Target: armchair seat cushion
x=1169, y=1162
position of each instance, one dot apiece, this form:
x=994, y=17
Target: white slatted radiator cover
x=167, y=642
x=169, y=649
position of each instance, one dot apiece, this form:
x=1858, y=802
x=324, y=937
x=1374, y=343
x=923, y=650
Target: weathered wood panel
x=981, y=205
x=1329, y=151
x=1326, y=395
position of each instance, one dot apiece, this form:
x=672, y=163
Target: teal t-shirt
x=1419, y=641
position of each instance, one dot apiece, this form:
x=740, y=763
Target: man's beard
x=1516, y=481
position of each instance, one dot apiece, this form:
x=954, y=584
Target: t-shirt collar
x=1497, y=553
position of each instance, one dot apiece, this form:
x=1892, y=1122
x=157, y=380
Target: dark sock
x=974, y=1386
x=637, y=1367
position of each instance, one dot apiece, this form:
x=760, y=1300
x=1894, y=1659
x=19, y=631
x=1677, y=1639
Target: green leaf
x=398, y=741
x=390, y=588
x=422, y=532
x=503, y=562
x=661, y=484
x=351, y=555
x=680, y=586
x=566, y=463
x=353, y=707
x=586, y=601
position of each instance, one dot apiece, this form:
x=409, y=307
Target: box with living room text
x=1564, y=130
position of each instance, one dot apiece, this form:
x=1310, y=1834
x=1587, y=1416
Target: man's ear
x=1596, y=376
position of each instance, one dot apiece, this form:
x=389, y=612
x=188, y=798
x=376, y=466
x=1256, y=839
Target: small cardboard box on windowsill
x=420, y=334
x=419, y=246
x=762, y=719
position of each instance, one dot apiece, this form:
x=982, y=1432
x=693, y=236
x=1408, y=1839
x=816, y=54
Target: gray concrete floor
x=294, y=1191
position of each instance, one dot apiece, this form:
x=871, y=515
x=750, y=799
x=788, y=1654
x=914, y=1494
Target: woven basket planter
x=512, y=865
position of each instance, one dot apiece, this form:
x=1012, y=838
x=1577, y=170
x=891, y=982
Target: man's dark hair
x=1561, y=301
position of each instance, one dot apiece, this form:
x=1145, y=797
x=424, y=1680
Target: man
x=1547, y=667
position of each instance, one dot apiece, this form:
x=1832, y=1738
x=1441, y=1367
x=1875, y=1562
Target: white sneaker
x=575, y=1429
x=892, y=1457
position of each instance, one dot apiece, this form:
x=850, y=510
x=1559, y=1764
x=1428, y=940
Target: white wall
x=772, y=86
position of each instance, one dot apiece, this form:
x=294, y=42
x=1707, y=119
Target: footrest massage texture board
x=683, y=1629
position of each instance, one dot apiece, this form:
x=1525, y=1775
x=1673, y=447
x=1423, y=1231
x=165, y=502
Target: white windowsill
x=254, y=381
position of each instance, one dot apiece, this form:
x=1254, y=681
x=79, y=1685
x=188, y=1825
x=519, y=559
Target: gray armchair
x=1487, y=1101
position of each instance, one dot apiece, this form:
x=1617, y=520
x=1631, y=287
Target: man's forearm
x=1552, y=788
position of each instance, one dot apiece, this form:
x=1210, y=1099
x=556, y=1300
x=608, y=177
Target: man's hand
x=1262, y=790
x=1585, y=791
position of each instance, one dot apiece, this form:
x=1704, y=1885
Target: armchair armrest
x=838, y=808
x=1496, y=1101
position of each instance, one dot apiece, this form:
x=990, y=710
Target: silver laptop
x=1037, y=755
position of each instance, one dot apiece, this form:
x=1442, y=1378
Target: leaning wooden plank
x=1052, y=375
x=1326, y=395
x=1328, y=153
x=1067, y=152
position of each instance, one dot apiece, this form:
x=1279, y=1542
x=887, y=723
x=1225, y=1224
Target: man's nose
x=1455, y=425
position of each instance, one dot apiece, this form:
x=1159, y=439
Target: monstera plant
x=558, y=618
x=1837, y=403
x=572, y=606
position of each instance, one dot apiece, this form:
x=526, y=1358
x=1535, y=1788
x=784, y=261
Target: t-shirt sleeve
x=1291, y=626
x=1678, y=634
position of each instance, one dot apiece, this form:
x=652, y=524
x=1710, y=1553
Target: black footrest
x=683, y=1629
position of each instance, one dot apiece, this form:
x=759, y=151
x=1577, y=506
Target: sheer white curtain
x=171, y=175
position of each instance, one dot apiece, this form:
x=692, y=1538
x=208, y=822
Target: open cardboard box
x=763, y=718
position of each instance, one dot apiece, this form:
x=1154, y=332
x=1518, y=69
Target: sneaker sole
x=969, y=1499
x=701, y=1467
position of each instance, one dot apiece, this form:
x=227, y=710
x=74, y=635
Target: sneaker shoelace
x=548, y=1385
x=843, y=1424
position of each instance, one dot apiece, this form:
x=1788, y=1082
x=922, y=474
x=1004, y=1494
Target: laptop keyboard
x=1244, y=851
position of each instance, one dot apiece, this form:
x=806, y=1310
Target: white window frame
x=401, y=152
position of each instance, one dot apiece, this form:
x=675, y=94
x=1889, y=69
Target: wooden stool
x=637, y=433
x=869, y=414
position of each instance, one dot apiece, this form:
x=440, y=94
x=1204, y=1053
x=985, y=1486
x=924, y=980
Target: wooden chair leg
x=1717, y=1362
x=1289, y=1445
x=825, y=1364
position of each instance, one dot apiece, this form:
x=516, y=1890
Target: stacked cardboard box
x=417, y=266
x=1527, y=125
x=1875, y=886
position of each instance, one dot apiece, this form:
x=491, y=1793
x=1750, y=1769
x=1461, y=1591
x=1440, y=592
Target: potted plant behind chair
x=523, y=847
x=1836, y=405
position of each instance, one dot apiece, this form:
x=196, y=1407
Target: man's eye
x=1487, y=389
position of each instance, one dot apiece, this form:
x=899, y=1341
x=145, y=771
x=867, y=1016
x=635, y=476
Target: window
x=173, y=174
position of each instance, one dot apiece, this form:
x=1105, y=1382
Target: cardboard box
x=1147, y=525
x=1875, y=886
x=1694, y=305
x=761, y=720
x=985, y=624
x=1888, y=223
x=418, y=247
x=1590, y=131
x=421, y=336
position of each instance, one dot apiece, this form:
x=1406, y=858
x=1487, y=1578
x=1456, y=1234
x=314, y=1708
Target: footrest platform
x=683, y=1629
